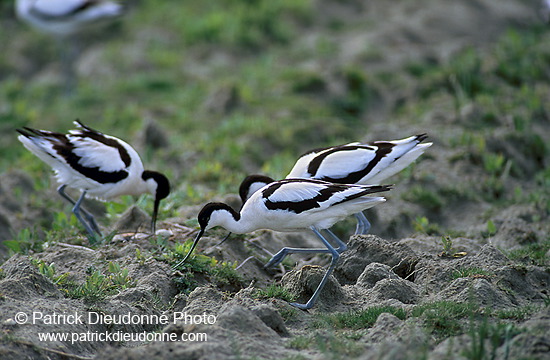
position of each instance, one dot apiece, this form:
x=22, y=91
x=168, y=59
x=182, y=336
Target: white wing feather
x=57, y=7
x=95, y=154
x=295, y=192
x=341, y=163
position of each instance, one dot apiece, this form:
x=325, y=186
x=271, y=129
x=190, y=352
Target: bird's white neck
x=229, y=220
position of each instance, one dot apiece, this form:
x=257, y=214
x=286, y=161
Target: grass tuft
x=357, y=319
x=275, y=291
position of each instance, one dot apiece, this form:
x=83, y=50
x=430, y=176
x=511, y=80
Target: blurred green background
x=209, y=92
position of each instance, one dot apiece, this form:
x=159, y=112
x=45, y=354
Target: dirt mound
x=245, y=324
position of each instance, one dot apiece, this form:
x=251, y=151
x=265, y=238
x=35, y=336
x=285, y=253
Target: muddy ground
x=396, y=266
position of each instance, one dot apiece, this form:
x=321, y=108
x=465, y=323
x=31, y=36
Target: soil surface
x=390, y=267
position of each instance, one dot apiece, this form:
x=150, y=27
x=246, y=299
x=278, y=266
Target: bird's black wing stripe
x=30, y=133
x=316, y=162
x=65, y=149
x=370, y=190
x=353, y=177
x=87, y=132
x=59, y=17
x=298, y=207
x=85, y=5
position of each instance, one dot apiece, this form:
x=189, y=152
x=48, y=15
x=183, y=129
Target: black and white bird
x=353, y=163
x=101, y=166
x=66, y=20
x=292, y=205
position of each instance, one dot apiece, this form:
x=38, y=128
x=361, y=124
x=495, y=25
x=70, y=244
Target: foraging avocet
x=353, y=163
x=99, y=165
x=291, y=205
x=65, y=20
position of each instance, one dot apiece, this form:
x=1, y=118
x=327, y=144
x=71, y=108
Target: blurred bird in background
x=544, y=10
x=67, y=21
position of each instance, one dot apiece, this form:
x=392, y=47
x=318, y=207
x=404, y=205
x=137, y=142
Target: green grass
x=535, y=253
x=442, y=318
x=96, y=286
x=487, y=337
x=519, y=313
x=300, y=342
x=275, y=291
x=25, y=241
x=357, y=319
x=167, y=72
x=424, y=197
x=423, y=225
x=331, y=345
x=199, y=266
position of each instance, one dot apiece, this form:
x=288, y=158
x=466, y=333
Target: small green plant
x=24, y=242
x=49, y=271
x=519, y=60
x=197, y=262
x=493, y=163
x=140, y=257
x=119, y=278
x=448, y=250
x=161, y=244
x=491, y=228
x=300, y=342
x=423, y=225
x=95, y=288
x=223, y=273
x=471, y=272
x=357, y=319
x=45, y=269
x=275, y=291
x=67, y=227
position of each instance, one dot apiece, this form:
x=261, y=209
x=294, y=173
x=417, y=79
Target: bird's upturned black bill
x=154, y=218
x=225, y=238
x=199, y=235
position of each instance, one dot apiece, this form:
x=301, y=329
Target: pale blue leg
x=342, y=246
x=90, y=225
x=76, y=212
x=277, y=258
x=363, y=225
x=335, y=257
x=284, y=252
